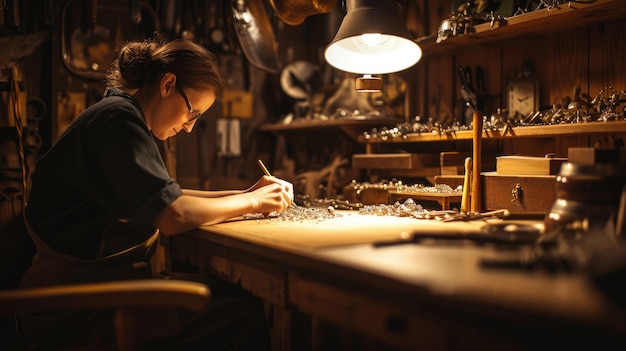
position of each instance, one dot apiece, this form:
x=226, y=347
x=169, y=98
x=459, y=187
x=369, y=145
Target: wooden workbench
x=413, y=296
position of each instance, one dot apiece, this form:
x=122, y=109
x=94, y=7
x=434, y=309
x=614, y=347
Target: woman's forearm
x=210, y=193
x=188, y=212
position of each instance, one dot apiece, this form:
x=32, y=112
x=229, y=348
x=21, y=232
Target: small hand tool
x=265, y=170
x=505, y=233
x=474, y=215
x=467, y=185
x=476, y=195
x=467, y=92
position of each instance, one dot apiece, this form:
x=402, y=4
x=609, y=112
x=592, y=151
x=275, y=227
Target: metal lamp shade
x=395, y=51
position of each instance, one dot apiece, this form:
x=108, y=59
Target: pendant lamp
x=372, y=39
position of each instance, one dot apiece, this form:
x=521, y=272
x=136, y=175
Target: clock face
x=522, y=97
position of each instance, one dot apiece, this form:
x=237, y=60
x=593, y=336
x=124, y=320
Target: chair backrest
x=127, y=297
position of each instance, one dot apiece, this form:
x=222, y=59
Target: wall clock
x=523, y=98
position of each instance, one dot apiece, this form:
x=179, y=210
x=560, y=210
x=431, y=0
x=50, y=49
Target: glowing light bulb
x=372, y=39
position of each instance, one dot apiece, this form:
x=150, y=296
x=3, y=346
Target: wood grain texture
x=606, y=56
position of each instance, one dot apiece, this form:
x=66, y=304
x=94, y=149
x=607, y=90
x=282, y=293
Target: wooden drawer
x=536, y=194
x=388, y=320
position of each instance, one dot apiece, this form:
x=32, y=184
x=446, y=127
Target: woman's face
x=179, y=110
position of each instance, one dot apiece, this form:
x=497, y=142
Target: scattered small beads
x=298, y=214
x=437, y=188
x=407, y=209
x=399, y=186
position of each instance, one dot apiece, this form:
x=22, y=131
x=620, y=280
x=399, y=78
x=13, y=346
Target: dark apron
x=88, y=329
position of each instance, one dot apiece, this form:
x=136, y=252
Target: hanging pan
x=294, y=12
x=256, y=34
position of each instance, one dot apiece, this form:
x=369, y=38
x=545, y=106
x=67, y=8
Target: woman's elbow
x=171, y=221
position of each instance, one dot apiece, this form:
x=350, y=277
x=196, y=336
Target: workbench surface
x=337, y=269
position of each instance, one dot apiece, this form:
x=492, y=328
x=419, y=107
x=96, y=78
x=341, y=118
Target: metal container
x=587, y=196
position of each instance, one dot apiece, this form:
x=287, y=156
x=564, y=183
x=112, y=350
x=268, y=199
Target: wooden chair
x=126, y=297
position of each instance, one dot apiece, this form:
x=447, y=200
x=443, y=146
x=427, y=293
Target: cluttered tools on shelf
x=606, y=106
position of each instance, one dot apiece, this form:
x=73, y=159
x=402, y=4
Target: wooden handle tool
x=267, y=173
x=265, y=170
x=465, y=199
x=476, y=198
x=620, y=225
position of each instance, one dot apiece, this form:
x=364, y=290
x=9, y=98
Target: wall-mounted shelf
x=563, y=17
x=351, y=126
x=541, y=131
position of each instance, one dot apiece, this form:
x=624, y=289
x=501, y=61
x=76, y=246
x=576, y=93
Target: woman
x=101, y=196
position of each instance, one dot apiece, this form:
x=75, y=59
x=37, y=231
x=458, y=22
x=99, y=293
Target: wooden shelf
x=351, y=126
x=564, y=17
x=541, y=131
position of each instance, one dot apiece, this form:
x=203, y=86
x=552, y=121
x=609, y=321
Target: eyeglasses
x=195, y=114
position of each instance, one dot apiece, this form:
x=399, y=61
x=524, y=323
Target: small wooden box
x=528, y=165
x=518, y=194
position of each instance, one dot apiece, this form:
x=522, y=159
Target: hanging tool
x=620, y=226
x=481, y=90
x=468, y=93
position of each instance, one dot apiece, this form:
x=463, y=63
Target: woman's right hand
x=273, y=197
x=266, y=187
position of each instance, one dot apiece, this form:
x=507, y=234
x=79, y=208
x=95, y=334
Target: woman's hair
x=142, y=63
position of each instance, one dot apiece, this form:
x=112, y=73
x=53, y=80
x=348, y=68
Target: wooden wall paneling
x=416, y=17
x=415, y=93
x=607, y=141
x=504, y=147
x=440, y=93
x=607, y=49
x=436, y=82
x=528, y=146
x=566, y=65
x=563, y=143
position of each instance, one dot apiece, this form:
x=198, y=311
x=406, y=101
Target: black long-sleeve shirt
x=100, y=186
